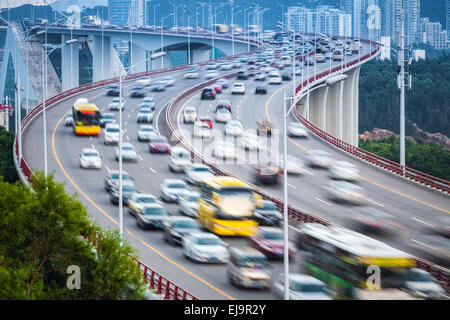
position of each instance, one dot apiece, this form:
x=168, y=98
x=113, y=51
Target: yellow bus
x=226, y=206
x=86, y=118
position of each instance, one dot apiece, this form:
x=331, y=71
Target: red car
x=159, y=144
x=218, y=89
x=223, y=104
x=269, y=241
x=206, y=120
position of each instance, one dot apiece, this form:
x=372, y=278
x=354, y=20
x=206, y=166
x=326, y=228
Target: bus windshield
x=236, y=202
x=86, y=118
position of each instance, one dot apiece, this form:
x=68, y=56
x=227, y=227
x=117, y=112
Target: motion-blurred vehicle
x=261, y=89
x=294, y=165
x=189, y=115
x=238, y=88
x=197, y=172
x=145, y=132
x=147, y=105
x=223, y=115
x=301, y=287
x=441, y=226
x=90, y=158
x=275, y=79
x=139, y=200
x=252, y=71
x=286, y=76
x=112, y=90
x=261, y=76
x=208, y=93
x=241, y=75
x=250, y=141
x=191, y=75
x=145, y=115
x=234, y=128
x=106, y=119
x=225, y=66
x=223, y=83
x=169, y=81
x=435, y=245
x=128, y=190
x=176, y=228
x=137, y=92
x=270, y=242
x=212, y=66
x=173, y=189
x=343, y=191
x=337, y=55
x=202, y=130
x=265, y=126
x=205, y=247
x=180, y=159
x=296, y=129
x=217, y=88
x=158, y=86
x=319, y=159
x=159, y=144
x=211, y=74
x=223, y=104
x=111, y=134
x=248, y=268
x=128, y=152
x=421, y=284
x=224, y=150
x=144, y=81
x=188, y=204
x=115, y=105
x=148, y=100
x=68, y=121
x=266, y=213
x=206, y=120
x=267, y=173
x=343, y=170
x=372, y=219
x=151, y=215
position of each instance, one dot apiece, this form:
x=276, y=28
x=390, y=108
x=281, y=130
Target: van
x=180, y=159
x=248, y=268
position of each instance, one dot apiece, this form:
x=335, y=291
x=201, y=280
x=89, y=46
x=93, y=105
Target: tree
x=7, y=168
x=43, y=232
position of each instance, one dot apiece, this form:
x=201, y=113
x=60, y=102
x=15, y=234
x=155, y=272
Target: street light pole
x=162, y=37
x=401, y=82
x=285, y=205
x=154, y=16
x=232, y=28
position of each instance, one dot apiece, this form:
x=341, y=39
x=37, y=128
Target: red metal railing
x=295, y=213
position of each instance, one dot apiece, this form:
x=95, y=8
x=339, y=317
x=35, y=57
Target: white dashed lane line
x=328, y=204
x=374, y=202
x=423, y=222
x=153, y=170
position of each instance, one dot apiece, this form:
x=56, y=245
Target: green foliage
x=430, y=158
x=42, y=235
x=427, y=105
x=7, y=169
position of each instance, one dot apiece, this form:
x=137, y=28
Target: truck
x=354, y=47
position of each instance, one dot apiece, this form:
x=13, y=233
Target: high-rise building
x=136, y=17
x=434, y=35
x=409, y=11
x=447, y=22
x=387, y=17
x=119, y=12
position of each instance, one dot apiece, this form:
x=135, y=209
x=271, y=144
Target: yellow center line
x=365, y=179
x=113, y=220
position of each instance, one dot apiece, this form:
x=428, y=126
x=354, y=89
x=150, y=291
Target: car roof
x=152, y=205
x=247, y=251
x=112, y=125
x=180, y=218
x=304, y=278
x=84, y=150
x=146, y=195
x=167, y=181
x=203, y=235
x=127, y=144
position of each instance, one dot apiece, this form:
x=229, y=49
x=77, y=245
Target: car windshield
x=149, y=129
x=308, y=287
x=159, y=140
x=223, y=111
x=128, y=187
x=273, y=236
x=155, y=211
x=269, y=206
x=90, y=154
x=146, y=199
x=186, y=224
x=191, y=198
x=201, y=169
x=129, y=148
x=189, y=111
x=144, y=111
x=112, y=130
x=125, y=176
x=108, y=116
x=176, y=186
x=253, y=261
x=208, y=241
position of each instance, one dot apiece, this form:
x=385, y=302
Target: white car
x=114, y=105
x=225, y=66
x=173, y=189
x=188, y=204
x=211, y=74
x=128, y=152
x=224, y=150
x=189, y=115
x=421, y=284
x=111, y=134
x=197, y=172
x=212, y=66
x=343, y=191
x=169, y=81
x=202, y=130
x=145, y=115
x=320, y=159
x=238, y=88
x=145, y=132
x=294, y=165
x=301, y=287
x=222, y=83
x=250, y=141
x=343, y=170
x=90, y=158
x=275, y=79
x=180, y=159
x=191, y=75
x=68, y=121
x=260, y=76
x=140, y=200
x=223, y=115
x=296, y=129
x=205, y=247
x=234, y=128
x=144, y=81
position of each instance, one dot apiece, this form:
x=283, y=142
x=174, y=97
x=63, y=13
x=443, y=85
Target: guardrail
x=156, y=281
x=440, y=273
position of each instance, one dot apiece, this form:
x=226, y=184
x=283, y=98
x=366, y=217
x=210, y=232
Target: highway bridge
x=414, y=203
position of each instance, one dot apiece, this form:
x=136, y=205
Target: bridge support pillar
x=139, y=54
x=350, y=107
x=102, y=61
x=199, y=55
x=70, y=73
x=165, y=60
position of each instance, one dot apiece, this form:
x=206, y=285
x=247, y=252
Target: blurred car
x=114, y=105
x=310, y=61
x=90, y=158
x=217, y=88
x=265, y=126
x=128, y=190
x=212, y=66
x=238, y=88
x=250, y=141
x=205, y=247
x=296, y=129
x=188, y=204
x=191, y=75
x=112, y=177
x=376, y=220
x=137, y=92
x=343, y=191
x=202, y=130
x=225, y=66
x=139, y=200
x=267, y=213
x=144, y=81
x=148, y=105
x=267, y=173
x=223, y=103
x=261, y=76
x=294, y=165
x=208, y=93
x=173, y=189
x=111, y=134
x=343, y=170
x=275, y=79
x=234, y=128
x=270, y=241
x=252, y=71
x=147, y=100
x=224, y=150
x=128, y=152
x=180, y=159
x=159, y=144
x=435, y=245
x=106, y=119
x=189, y=115
x=158, y=86
x=145, y=132
x=151, y=215
x=301, y=287
x=237, y=64
x=112, y=90
x=248, y=268
x=68, y=121
x=206, y=120
x=242, y=75
x=319, y=159
x=223, y=115
x=320, y=58
x=176, y=228
x=169, y=81
x=223, y=83
x=421, y=284
x=197, y=172
x=211, y=74
x=286, y=76
x=145, y=115
x=441, y=226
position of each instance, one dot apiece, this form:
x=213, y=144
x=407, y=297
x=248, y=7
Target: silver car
x=301, y=287
x=296, y=129
x=320, y=159
x=343, y=170
x=205, y=247
x=145, y=132
x=128, y=152
x=343, y=191
x=197, y=172
x=188, y=204
x=173, y=189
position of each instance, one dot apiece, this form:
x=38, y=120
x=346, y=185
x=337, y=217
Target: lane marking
x=130, y=233
x=140, y=158
x=374, y=202
x=292, y=186
x=154, y=171
x=328, y=204
x=420, y=221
